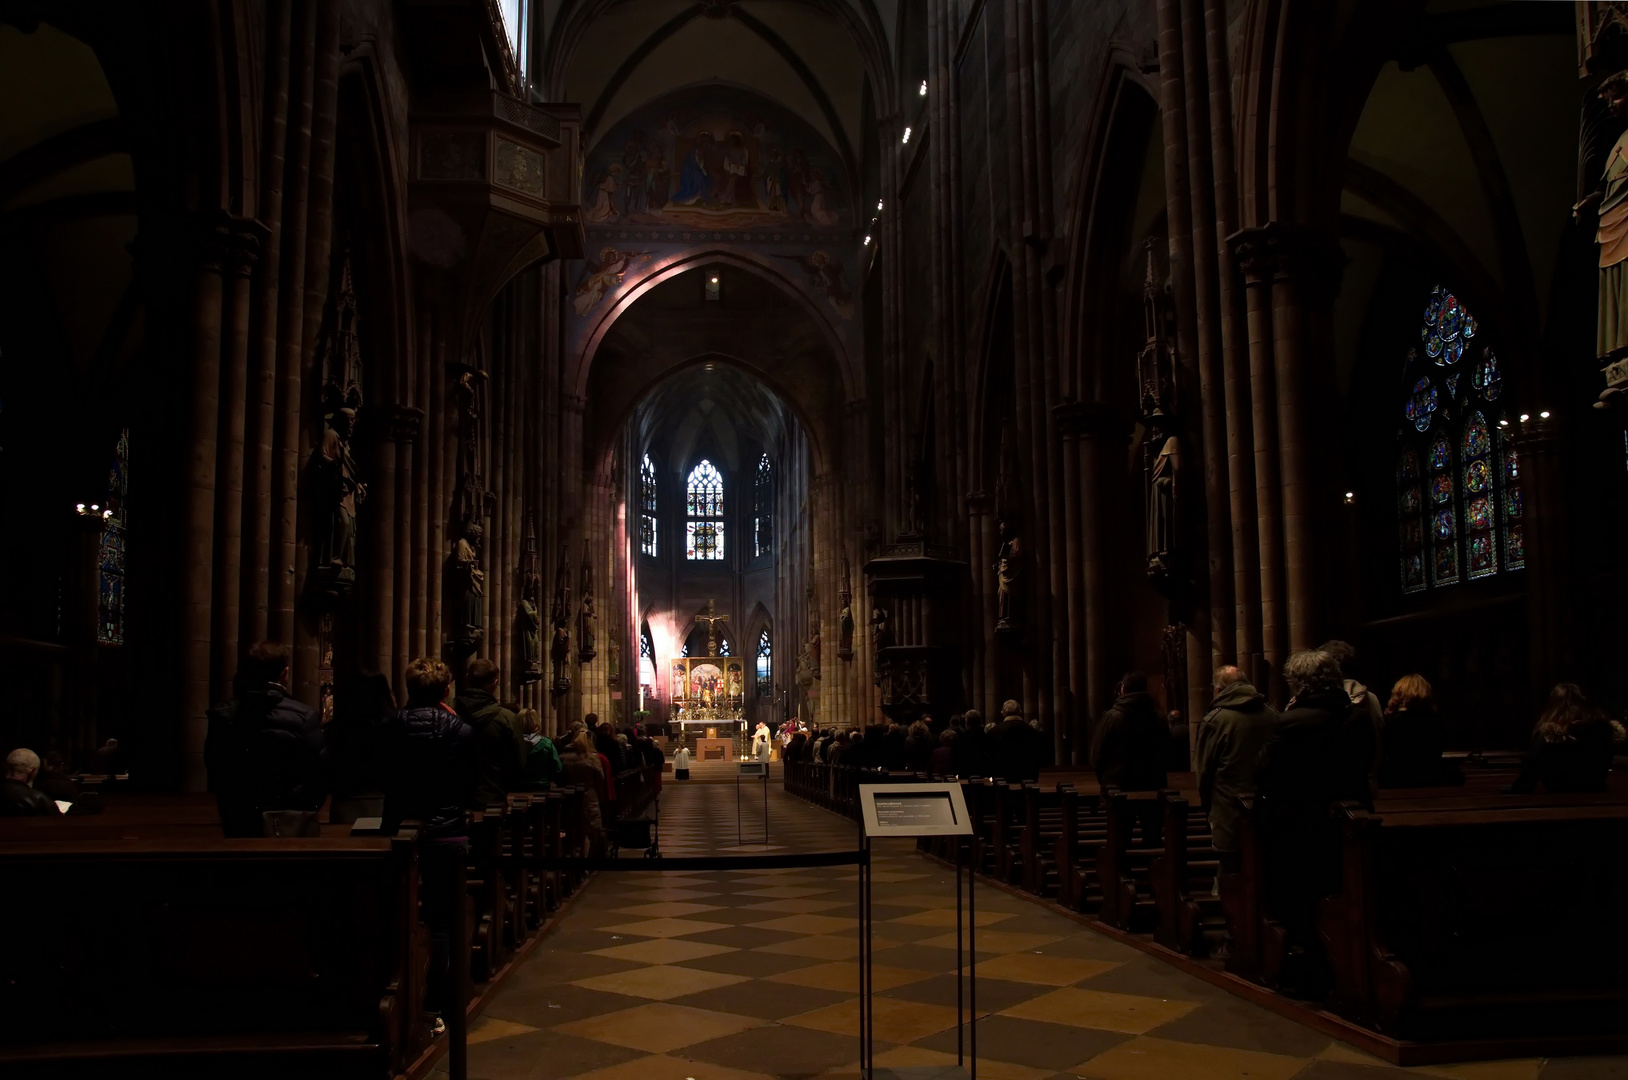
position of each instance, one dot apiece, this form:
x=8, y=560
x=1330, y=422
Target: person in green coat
x=542, y=762
x=500, y=749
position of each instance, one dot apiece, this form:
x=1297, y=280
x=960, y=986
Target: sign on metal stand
x=907, y=811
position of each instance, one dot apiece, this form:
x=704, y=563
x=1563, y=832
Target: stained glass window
x=704, y=500
x=647, y=507
x=1458, y=498
x=765, y=661
x=110, y=557
x=763, y=509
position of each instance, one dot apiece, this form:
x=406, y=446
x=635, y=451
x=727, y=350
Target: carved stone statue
x=472, y=584
x=559, y=649
x=1008, y=576
x=531, y=629
x=1163, y=477
x=845, y=617
x=881, y=634
x=337, y=491
x=813, y=646
x=1610, y=200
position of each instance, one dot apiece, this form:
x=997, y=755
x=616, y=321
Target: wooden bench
x=1472, y=922
x=219, y=958
x=1183, y=878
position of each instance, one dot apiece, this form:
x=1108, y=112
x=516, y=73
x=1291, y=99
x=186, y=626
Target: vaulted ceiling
x=613, y=56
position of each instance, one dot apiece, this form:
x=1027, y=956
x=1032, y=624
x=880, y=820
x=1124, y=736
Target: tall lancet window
x=704, y=503
x=763, y=509
x=647, y=656
x=765, y=664
x=1458, y=482
x=647, y=507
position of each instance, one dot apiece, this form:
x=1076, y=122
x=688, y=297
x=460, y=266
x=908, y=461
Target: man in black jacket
x=18, y=798
x=1020, y=749
x=1131, y=749
x=499, y=745
x=1317, y=754
x=265, y=751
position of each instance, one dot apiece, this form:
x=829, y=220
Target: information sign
x=914, y=810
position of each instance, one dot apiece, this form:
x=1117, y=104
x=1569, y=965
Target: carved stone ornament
x=559, y=649
x=845, y=617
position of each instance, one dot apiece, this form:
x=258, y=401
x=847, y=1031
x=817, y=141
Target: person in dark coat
x=55, y=780
x=499, y=746
x=1229, y=742
x=971, y=747
x=264, y=750
x=942, y=760
x=919, y=745
x=1319, y=753
x=1414, y=738
x=606, y=743
x=1571, y=746
x=18, y=797
x=429, y=751
x=1020, y=748
x=1132, y=744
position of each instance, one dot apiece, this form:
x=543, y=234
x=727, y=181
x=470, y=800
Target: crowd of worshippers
x=963, y=745
x=447, y=749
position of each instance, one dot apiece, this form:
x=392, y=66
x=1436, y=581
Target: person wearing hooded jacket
x=264, y=750
x=1228, y=746
x=429, y=775
x=1132, y=743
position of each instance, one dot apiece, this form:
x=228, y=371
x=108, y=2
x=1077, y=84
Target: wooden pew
x=1122, y=867
x=220, y=958
x=1042, y=824
x=1081, y=830
x=1183, y=878
x=1473, y=923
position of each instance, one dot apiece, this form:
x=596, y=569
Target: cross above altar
x=712, y=619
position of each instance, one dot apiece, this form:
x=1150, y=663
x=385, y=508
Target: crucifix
x=712, y=619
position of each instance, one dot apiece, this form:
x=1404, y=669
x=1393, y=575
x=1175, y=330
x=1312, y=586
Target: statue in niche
x=881, y=634
x=812, y=646
x=338, y=491
x=531, y=628
x=1610, y=200
x=559, y=650
x=1163, y=476
x=1008, y=576
x=472, y=585
x=585, y=616
x=845, y=617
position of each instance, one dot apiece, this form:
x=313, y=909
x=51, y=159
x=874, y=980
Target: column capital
x=230, y=243
x=1282, y=251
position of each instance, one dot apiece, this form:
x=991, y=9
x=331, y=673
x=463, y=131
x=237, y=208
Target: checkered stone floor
x=748, y=975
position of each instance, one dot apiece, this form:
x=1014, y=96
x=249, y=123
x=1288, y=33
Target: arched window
x=704, y=501
x=763, y=509
x=765, y=662
x=647, y=507
x=1457, y=478
x=647, y=655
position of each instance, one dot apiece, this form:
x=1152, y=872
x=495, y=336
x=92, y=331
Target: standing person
x=363, y=704
x=941, y=762
x=1229, y=743
x=681, y=763
x=1017, y=747
x=429, y=771
x=265, y=750
x=1314, y=756
x=1571, y=746
x=18, y=798
x=1132, y=744
x=919, y=745
x=499, y=746
x=1414, y=739
x=760, y=742
x=971, y=754
x=580, y=765
x=1371, y=712
x=606, y=742
x=542, y=762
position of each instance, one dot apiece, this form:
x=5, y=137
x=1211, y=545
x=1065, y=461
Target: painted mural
x=697, y=160
x=700, y=170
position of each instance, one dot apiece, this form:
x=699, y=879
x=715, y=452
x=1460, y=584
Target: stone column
x=1540, y=446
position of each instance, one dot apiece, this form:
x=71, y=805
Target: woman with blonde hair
x=580, y=765
x=1414, y=738
x=1571, y=745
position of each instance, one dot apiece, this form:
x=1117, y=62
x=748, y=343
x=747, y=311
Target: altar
x=709, y=694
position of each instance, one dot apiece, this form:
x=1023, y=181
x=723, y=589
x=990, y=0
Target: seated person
x=499, y=747
x=54, y=779
x=1571, y=746
x=17, y=795
x=1414, y=739
x=265, y=750
x=429, y=768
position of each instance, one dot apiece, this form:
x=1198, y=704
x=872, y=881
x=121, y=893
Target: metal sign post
x=908, y=811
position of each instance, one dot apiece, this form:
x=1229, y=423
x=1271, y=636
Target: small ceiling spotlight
x=867, y=241
x=1503, y=423
x=1543, y=416
x=878, y=206
x=715, y=279
x=923, y=90
x=1350, y=497
x=1525, y=417
x=906, y=138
